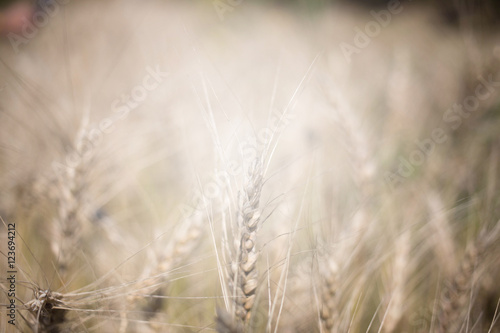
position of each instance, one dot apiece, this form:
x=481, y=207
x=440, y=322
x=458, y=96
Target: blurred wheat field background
x=238, y=166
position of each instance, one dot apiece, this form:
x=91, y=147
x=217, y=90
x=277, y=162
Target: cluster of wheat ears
x=171, y=170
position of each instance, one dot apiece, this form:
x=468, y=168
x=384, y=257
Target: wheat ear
x=70, y=199
x=184, y=241
x=453, y=302
x=182, y=244
x=243, y=271
x=47, y=309
x=329, y=313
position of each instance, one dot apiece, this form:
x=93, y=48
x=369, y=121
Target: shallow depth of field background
x=132, y=135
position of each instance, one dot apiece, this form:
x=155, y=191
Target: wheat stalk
x=443, y=239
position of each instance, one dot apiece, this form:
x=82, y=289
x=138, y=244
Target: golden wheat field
x=240, y=166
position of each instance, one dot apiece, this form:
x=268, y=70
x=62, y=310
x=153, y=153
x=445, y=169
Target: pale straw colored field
x=173, y=167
